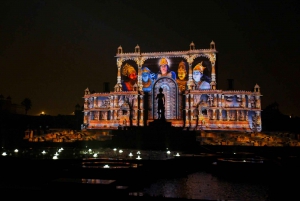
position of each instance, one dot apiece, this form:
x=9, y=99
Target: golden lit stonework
x=192, y=99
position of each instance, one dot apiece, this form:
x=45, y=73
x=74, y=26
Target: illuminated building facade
x=192, y=100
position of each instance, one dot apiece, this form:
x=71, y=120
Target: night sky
x=51, y=51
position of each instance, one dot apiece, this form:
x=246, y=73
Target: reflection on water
x=121, y=171
x=204, y=185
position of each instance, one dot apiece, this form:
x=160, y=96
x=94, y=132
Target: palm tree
x=27, y=104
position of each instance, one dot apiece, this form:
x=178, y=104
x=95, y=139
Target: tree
x=27, y=104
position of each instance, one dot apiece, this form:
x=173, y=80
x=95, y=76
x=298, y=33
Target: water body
x=232, y=182
x=206, y=186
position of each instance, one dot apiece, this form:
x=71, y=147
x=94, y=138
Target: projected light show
x=187, y=80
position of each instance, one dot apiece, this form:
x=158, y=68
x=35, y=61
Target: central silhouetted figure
x=161, y=104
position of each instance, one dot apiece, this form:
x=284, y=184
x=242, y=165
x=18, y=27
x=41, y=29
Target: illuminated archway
x=170, y=91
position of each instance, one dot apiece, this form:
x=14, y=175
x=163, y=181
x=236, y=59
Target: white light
x=115, y=149
x=138, y=152
x=106, y=166
x=55, y=157
x=43, y=152
x=120, y=151
x=139, y=158
x=130, y=154
x=56, y=154
x=168, y=152
x=16, y=150
x=4, y=154
x=95, y=155
x=177, y=154
x=90, y=150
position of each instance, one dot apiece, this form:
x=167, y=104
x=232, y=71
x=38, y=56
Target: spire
x=212, y=45
x=192, y=46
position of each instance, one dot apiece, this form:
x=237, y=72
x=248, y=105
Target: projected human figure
x=146, y=79
x=181, y=81
x=164, y=69
x=201, y=80
x=130, y=78
x=160, y=104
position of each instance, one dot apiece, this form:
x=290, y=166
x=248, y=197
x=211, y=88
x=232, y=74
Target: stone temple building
x=191, y=97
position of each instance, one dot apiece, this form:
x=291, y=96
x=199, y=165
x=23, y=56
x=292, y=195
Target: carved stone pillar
x=141, y=102
x=249, y=101
x=219, y=100
x=212, y=58
x=192, y=100
x=187, y=102
x=243, y=101
x=86, y=103
x=190, y=82
x=141, y=122
x=141, y=109
x=85, y=119
x=119, y=64
x=140, y=61
x=95, y=102
x=114, y=115
x=223, y=101
x=111, y=101
x=116, y=100
x=257, y=105
x=215, y=103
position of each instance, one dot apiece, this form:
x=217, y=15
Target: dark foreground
x=82, y=176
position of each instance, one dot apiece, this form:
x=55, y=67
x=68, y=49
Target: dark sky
x=51, y=51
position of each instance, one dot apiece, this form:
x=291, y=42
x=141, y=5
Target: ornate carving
x=119, y=62
x=140, y=60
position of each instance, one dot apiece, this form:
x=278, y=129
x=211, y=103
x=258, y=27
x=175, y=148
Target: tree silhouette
x=27, y=104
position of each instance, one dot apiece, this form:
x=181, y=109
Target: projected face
x=132, y=76
x=197, y=75
x=145, y=77
x=164, y=69
x=181, y=74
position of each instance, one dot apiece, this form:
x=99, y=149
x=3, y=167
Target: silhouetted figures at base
x=161, y=104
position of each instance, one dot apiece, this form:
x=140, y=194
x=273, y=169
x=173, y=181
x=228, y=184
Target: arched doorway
x=170, y=91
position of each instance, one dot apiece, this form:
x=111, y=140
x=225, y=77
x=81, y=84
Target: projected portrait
x=146, y=79
x=130, y=77
x=164, y=69
x=181, y=80
x=201, y=81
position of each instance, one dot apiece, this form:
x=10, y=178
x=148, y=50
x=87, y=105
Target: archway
x=170, y=91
